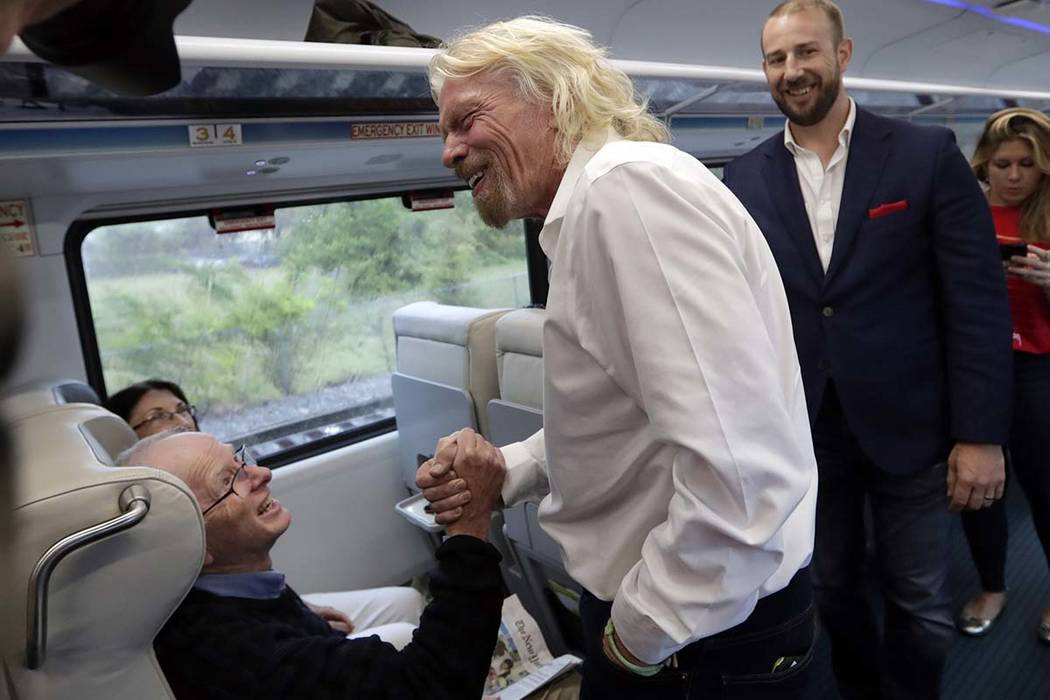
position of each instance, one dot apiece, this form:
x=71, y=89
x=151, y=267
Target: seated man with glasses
x=242, y=632
x=154, y=406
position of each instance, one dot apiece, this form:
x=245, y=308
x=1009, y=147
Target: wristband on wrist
x=609, y=643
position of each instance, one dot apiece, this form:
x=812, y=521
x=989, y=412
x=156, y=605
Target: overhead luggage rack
x=254, y=79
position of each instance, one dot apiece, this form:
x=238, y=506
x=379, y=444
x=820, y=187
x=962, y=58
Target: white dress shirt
x=822, y=187
x=678, y=457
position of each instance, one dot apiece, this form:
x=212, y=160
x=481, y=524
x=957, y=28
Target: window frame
x=79, y=230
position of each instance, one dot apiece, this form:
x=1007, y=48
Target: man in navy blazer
x=898, y=303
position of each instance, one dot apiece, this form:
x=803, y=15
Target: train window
x=283, y=337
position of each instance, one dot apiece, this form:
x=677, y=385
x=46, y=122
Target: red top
x=1029, y=305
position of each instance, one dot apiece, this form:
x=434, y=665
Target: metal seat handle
x=134, y=503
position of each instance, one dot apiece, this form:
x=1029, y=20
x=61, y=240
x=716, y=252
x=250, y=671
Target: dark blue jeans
x=735, y=664
x=986, y=529
x=911, y=525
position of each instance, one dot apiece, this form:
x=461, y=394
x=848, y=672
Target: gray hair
x=134, y=455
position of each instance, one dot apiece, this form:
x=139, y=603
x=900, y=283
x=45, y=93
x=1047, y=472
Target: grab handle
x=134, y=503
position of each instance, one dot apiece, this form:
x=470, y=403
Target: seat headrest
x=521, y=331
x=63, y=445
x=450, y=345
x=73, y=391
x=107, y=436
x=106, y=600
x=29, y=398
x=440, y=322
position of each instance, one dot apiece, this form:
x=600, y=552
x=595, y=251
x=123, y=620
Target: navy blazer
x=911, y=320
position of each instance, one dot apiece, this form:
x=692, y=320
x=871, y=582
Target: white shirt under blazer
x=822, y=187
x=676, y=446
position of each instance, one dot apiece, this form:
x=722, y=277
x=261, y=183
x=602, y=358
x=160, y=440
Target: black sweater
x=219, y=647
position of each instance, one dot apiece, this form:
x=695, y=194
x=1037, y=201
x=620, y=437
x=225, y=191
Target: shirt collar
x=258, y=585
x=844, y=135
x=580, y=157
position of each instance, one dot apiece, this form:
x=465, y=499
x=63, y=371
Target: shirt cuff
x=640, y=635
x=521, y=467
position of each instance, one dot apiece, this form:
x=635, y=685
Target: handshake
x=462, y=482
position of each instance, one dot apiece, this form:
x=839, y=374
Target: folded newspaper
x=521, y=662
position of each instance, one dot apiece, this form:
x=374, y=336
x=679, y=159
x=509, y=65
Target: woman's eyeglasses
x=183, y=409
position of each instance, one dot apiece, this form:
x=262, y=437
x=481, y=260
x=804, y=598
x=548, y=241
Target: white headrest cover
x=31, y=397
x=521, y=331
x=109, y=599
x=452, y=345
x=519, y=357
x=433, y=321
x=27, y=402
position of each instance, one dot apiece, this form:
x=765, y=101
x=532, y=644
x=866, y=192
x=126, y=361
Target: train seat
x=86, y=629
x=519, y=357
x=517, y=412
x=27, y=398
x=515, y=415
x=446, y=374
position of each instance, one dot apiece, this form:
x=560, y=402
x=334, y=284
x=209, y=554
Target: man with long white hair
x=675, y=467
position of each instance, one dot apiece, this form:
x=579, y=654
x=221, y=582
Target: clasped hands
x=462, y=482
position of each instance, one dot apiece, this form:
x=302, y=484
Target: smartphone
x=1008, y=250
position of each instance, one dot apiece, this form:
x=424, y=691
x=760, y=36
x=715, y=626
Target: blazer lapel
x=869, y=148
x=782, y=185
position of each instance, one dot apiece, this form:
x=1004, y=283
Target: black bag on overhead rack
x=362, y=22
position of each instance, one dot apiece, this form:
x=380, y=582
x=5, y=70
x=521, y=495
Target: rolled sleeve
x=526, y=470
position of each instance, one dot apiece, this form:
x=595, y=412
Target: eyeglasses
x=182, y=409
x=239, y=477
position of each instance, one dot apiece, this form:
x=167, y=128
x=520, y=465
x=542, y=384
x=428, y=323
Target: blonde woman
x=1013, y=160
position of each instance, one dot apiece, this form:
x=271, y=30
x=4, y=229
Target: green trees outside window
x=287, y=329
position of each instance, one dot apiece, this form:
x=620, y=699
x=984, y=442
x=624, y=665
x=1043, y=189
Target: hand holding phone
x=1008, y=250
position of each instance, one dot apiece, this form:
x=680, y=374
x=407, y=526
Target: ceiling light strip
x=991, y=14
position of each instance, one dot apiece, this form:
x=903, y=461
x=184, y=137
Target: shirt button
x=828, y=312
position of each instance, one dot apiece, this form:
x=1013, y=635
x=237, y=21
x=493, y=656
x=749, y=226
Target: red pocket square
x=890, y=208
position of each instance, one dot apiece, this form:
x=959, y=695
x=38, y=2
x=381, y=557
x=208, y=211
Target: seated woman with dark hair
x=153, y=406
x=156, y=405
